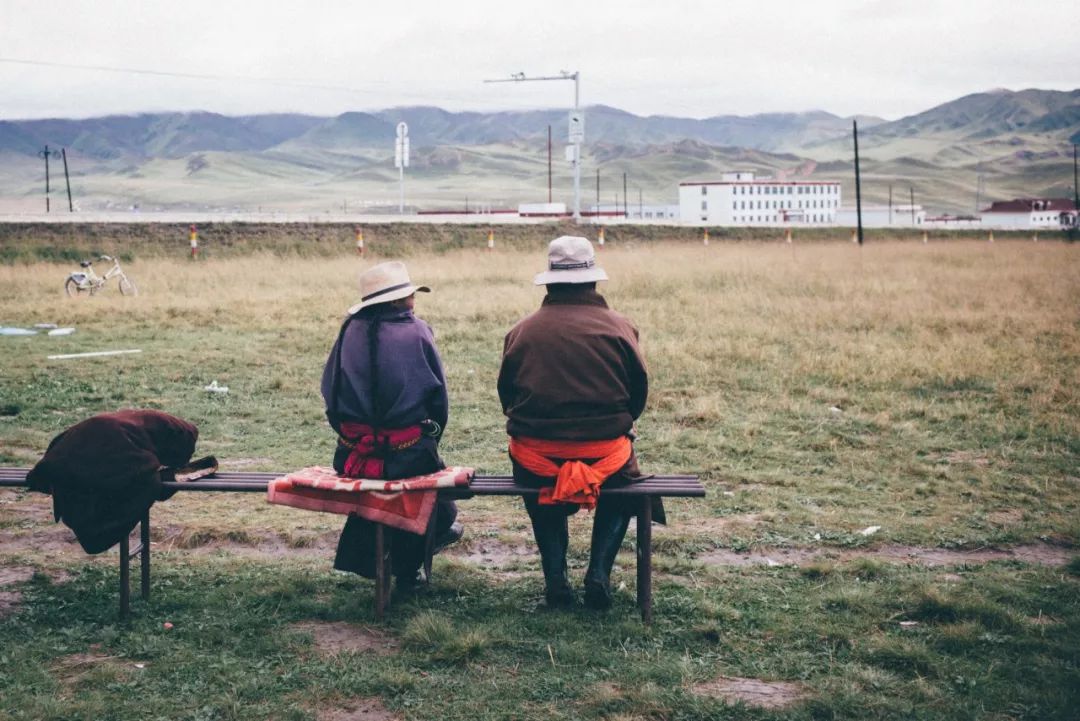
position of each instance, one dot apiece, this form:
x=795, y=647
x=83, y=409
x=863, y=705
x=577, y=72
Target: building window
x=704, y=190
x=704, y=205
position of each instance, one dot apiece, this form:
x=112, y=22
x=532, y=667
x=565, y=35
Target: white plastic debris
x=729, y=493
x=44, y=326
x=869, y=530
x=61, y=331
x=836, y=409
x=906, y=625
x=7, y=330
x=215, y=388
x=817, y=536
x=93, y=354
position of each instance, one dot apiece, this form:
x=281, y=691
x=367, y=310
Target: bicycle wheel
x=127, y=286
x=71, y=288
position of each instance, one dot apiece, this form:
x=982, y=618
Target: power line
x=196, y=76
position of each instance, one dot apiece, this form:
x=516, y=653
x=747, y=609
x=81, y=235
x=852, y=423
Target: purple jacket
x=409, y=386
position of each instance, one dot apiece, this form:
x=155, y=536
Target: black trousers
x=356, y=545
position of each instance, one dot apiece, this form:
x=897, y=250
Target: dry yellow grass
x=923, y=388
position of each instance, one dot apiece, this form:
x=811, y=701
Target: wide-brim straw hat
x=570, y=260
x=383, y=283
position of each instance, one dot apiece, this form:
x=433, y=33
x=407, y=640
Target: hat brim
x=578, y=275
x=394, y=295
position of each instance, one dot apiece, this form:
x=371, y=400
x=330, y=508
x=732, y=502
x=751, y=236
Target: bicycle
x=87, y=281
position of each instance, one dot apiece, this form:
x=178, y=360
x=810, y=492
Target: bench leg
x=144, y=537
x=644, y=559
x=382, y=572
x=125, y=578
x=429, y=547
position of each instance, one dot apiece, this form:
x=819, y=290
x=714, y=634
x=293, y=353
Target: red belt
x=369, y=447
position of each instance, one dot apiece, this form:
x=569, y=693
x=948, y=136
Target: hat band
x=572, y=266
x=384, y=291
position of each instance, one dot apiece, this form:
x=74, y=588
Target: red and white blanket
x=405, y=503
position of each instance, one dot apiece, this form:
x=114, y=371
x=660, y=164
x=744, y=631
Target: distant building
x=646, y=213
x=883, y=216
x=954, y=222
x=1023, y=213
x=738, y=199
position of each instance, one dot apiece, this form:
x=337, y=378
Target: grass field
x=819, y=390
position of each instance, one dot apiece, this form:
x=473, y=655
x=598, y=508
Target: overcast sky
x=677, y=57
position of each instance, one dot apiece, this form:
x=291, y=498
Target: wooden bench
x=256, y=482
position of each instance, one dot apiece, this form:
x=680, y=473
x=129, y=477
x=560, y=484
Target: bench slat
x=684, y=486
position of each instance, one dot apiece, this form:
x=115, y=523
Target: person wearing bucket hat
x=386, y=398
x=572, y=383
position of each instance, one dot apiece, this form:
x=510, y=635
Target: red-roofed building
x=1047, y=213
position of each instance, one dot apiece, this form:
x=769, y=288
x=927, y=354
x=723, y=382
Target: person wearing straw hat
x=386, y=398
x=572, y=383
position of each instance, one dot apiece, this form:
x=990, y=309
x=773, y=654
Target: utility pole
x=890, y=203
x=625, y=198
x=912, y=189
x=640, y=206
x=67, y=180
x=549, y=164
x=1076, y=201
x=45, y=154
x=598, y=192
x=858, y=181
x=577, y=124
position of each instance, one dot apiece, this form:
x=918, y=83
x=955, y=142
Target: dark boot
x=608, y=531
x=552, y=538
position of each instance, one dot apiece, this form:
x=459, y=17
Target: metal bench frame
x=678, y=486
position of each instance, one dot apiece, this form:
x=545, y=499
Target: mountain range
x=999, y=143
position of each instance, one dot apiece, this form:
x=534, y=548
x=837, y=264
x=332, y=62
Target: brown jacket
x=572, y=371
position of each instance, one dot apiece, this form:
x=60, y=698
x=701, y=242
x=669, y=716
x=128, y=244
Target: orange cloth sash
x=575, y=481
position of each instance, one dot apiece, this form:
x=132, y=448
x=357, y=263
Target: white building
x=1031, y=213
x=883, y=216
x=738, y=199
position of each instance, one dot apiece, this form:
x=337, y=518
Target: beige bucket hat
x=570, y=260
x=383, y=283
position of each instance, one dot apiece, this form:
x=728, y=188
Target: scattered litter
x=908, y=624
x=771, y=563
x=817, y=536
x=44, y=326
x=215, y=388
x=167, y=626
x=92, y=354
x=61, y=331
x=869, y=530
x=140, y=665
x=836, y=409
x=7, y=330
x=729, y=493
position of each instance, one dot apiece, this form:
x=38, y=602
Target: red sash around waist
x=575, y=481
x=369, y=447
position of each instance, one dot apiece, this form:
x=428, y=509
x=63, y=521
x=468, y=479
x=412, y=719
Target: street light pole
x=577, y=134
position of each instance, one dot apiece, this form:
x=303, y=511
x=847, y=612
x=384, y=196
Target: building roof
x=1028, y=205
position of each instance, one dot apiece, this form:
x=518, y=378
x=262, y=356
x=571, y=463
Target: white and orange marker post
x=600, y=238
x=705, y=237
x=360, y=241
x=991, y=238
x=491, y=240
x=193, y=233
x=855, y=236
x=925, y=237
x=787, y=235
x=1035, y=238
